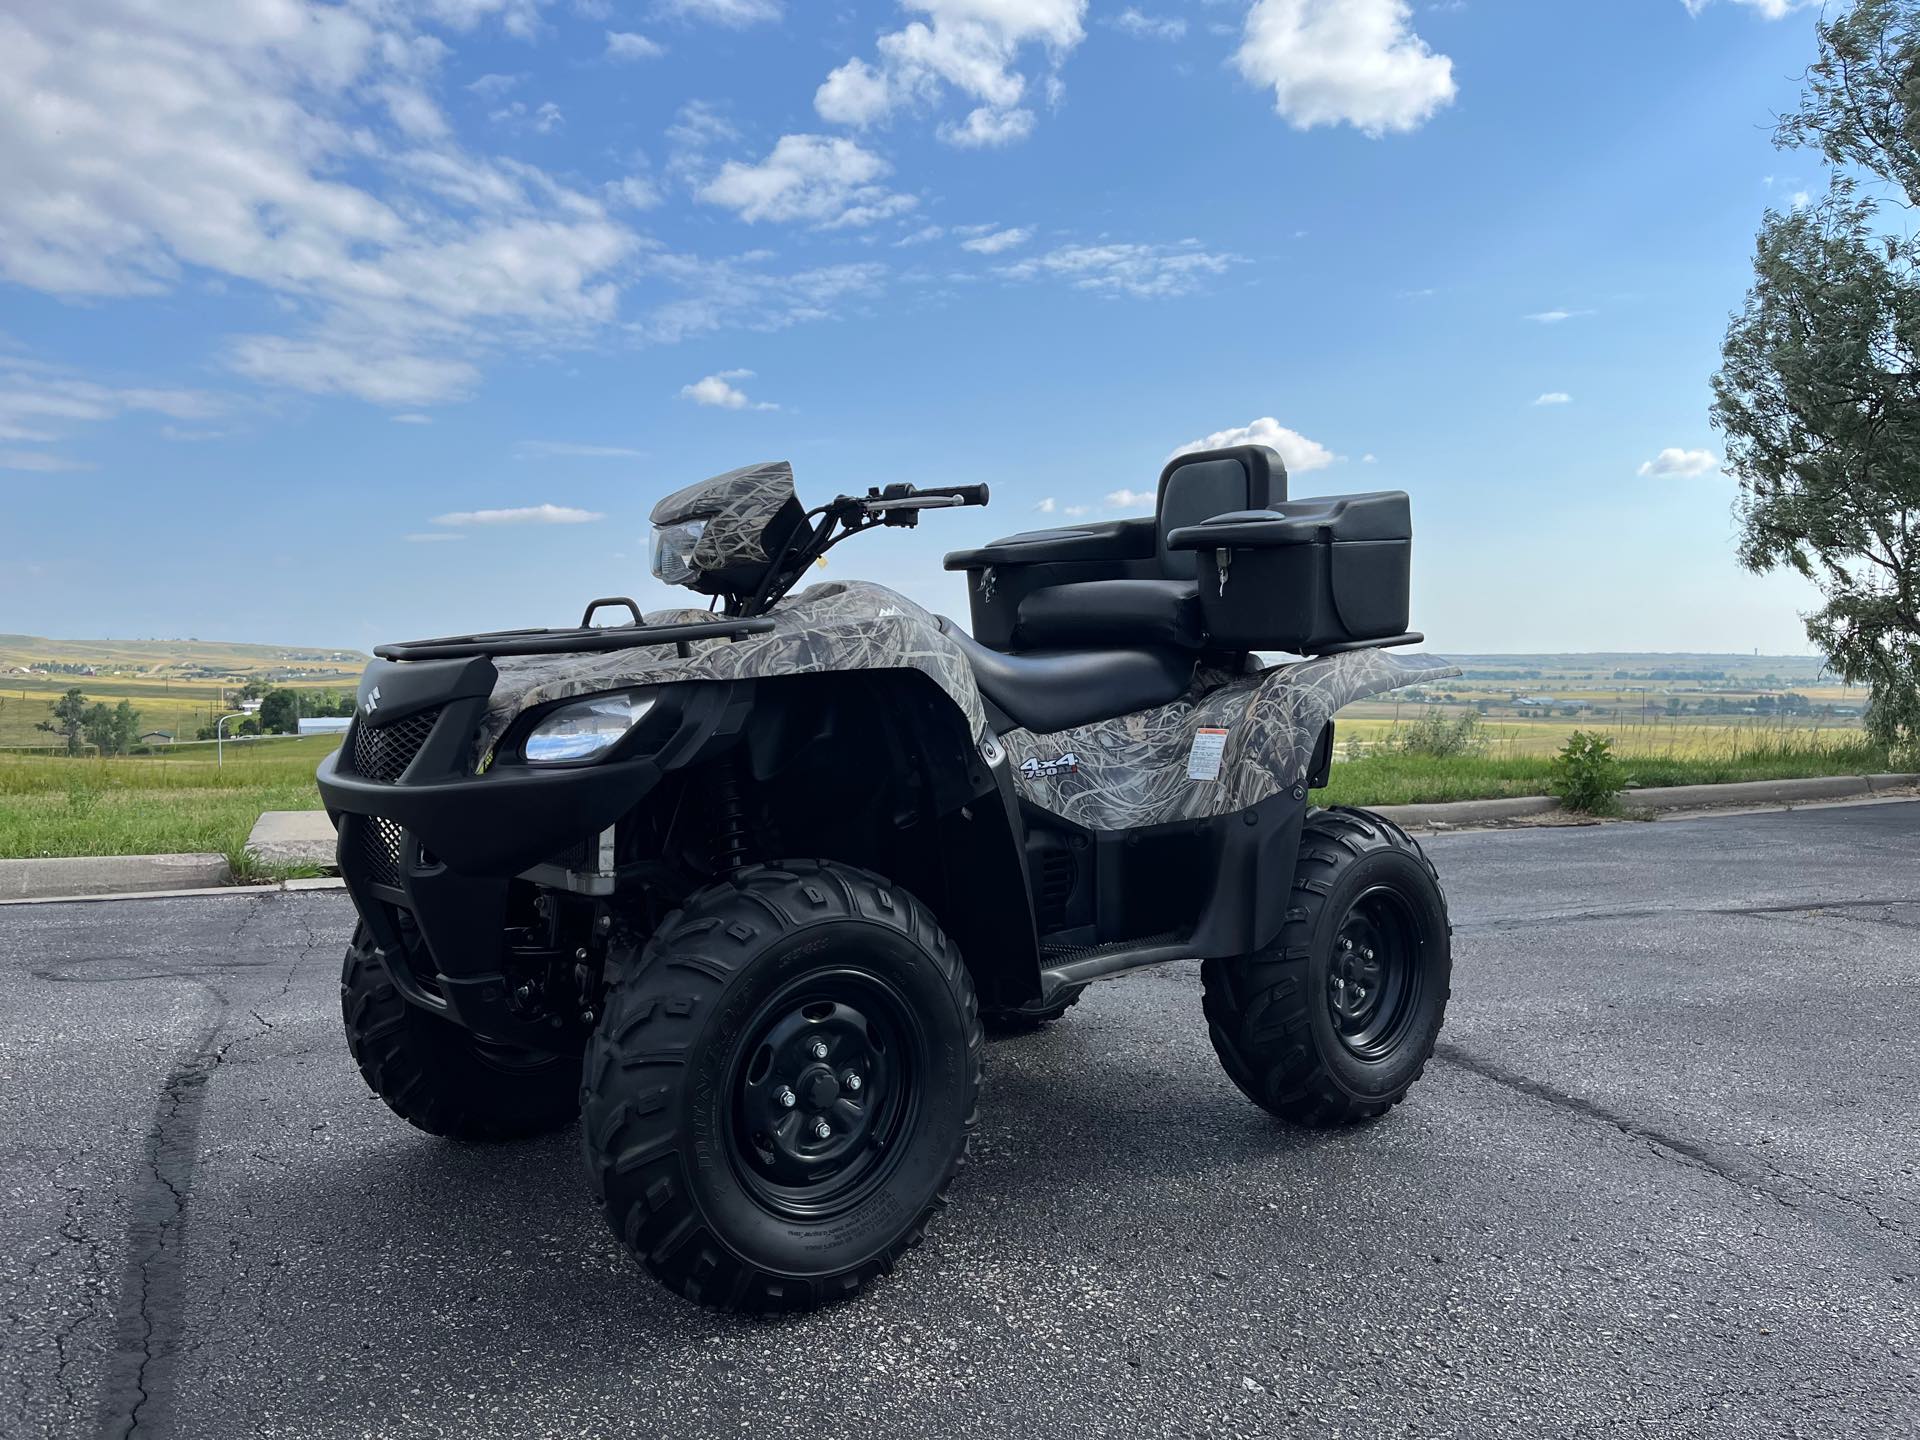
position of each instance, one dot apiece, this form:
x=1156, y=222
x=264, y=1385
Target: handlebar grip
x=965, y=494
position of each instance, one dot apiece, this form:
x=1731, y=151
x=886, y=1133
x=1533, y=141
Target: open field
x=175, y=801
x=176, y=685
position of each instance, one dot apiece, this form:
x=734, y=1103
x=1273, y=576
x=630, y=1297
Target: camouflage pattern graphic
x=1133, y=770
x=737, y=507
x=838, y=626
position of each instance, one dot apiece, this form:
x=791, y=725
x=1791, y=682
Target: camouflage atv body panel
x=738, y=507
x=847, y=625
x=1136, y=770
x=1126, y=772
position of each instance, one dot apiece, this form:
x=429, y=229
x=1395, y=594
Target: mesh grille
x=380, y=842
x=382, y=753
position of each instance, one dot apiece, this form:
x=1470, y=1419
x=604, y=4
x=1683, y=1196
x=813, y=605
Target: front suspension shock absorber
x=730, y=816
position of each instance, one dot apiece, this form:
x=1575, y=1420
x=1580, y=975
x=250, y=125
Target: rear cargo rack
x=583, y=639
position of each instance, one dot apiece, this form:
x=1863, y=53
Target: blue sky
x=342, y=322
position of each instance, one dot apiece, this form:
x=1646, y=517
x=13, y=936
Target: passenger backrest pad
x=1205, y=483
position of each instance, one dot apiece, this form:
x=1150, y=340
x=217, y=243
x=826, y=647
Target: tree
x=279, y=713
x=112, y=731
x=1818, y=393
x=69, y=719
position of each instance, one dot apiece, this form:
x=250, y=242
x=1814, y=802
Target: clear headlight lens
x=673, y=550
x=586, y=730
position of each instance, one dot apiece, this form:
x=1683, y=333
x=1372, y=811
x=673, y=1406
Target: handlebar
x=909, y=497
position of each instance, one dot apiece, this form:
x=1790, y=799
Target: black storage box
x=1304, y=576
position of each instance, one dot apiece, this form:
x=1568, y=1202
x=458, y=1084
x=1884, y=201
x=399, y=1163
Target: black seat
x=1045, y=693
x=1113, y=612
x=1161, y=607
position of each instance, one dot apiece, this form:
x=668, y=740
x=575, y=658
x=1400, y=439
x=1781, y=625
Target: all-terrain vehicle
x=738, y=887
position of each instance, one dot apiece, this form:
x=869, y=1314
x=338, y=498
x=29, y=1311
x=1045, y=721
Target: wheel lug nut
x=786, y=1098
x=819, y=1049
x=853, y=1080
x=821, y=1130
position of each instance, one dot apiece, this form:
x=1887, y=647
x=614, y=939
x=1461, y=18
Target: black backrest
x=1205, y=483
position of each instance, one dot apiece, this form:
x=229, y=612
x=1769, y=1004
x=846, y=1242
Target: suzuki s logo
x=372, y=702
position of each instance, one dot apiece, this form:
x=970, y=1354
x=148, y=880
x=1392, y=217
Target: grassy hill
x=176, y=685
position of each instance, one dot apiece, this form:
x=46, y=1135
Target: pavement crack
x=1670, y=1147
x=1656, y=912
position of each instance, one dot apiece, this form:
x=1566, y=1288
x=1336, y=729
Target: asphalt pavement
x=1663, y=1179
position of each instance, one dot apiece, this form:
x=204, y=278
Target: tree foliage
x=1818, y=393
x=69, y=719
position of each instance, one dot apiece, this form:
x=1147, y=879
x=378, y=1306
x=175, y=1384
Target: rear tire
x=438, y=1077
x=783, y=1087
x=1333, y=1022
x=1036, y=1015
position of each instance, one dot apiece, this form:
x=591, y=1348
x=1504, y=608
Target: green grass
x=1395, y=779
x=179, y=800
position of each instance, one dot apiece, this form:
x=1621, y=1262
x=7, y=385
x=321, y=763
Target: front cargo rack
x=584, y=639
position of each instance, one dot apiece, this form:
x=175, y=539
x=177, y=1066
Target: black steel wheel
x=783, y=1087
x=1334, y=1021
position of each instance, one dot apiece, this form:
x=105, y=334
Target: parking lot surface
x=1663, y=1179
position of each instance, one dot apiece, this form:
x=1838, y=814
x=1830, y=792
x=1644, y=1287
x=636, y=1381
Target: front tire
x=1333, y=1022
x=783, y=1087
x=438, y=1077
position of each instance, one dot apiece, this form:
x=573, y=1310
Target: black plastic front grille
x=380, y=842
x=383, y=752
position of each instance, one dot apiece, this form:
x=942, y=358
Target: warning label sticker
x=1203, y=761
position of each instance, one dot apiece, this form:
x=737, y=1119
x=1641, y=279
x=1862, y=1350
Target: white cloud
x=625, y=45
x=725, y=293
x=1142, y=271
x=828, y=182
x=998, y=240
x=40, y=460
x=1148, y=27
x=1769, y=9
x=1681, y=464
x=411, y=417
x=293, y=146
x=433, y=537
x=633, y=192
x=522, y=515
x=1047, y=505
x=573, y=450
x=971, y=47
x=986, y=128
x=1555, y=317
x=370, y=371
x=736, y=14
x=921, y=236
x=1132, y=499
x=494, y=88
x=1301, y=454
x=720, y=391
x=1076, y=510
x=1555, y=397
x=1355, y=62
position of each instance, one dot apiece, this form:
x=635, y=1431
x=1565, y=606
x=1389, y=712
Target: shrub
x=1441, y=735
x=1587, y=775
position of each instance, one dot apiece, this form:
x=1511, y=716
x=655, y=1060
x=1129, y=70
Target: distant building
x=157, y=737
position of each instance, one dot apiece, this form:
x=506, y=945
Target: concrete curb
x=110, y=875
x=293, y=837
x=1646, y=803
x=281, y=886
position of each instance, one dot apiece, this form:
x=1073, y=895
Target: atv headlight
x=587, y=730
x=673, y=550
